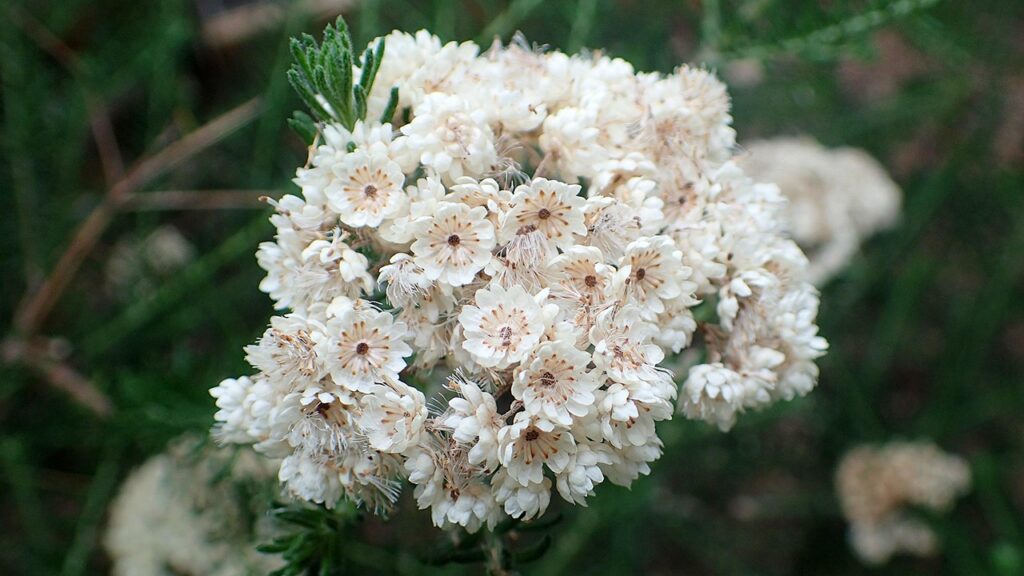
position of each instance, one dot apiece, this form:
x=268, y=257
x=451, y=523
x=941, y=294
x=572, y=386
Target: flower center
x=532, y=435
x=454, y=240
x=362, y=348
x=370, y=191
x=640, y=273
x=590, y=280
x=544, y=214
x=547, y=379
x=506, y=335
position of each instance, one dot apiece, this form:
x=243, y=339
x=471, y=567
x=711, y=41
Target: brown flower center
x=590, y=280
x=532, y=435
x=454, y=240
x=362, y=348
x=544, y=214
x=370, y=190
x=547, y=379
x=506, y=335
x=640, y=273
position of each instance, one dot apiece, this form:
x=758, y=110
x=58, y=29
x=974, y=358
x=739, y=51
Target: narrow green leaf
x=378, y=57
x=324, y=86
x=303, y=125
x=300, y=54
x=389, y=110
x=367, y=70
x=346, y=72
x=360, y=102
x=276, y=547
x=307, y=94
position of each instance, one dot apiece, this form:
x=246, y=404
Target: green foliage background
x=926, y=326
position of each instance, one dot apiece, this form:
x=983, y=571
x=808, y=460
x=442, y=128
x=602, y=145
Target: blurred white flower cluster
x=877, y=483
x=534, y=230
x=193, y=510
x=837, y=197
x=137, y=265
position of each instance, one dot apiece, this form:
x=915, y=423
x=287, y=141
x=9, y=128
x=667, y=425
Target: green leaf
x=276, y=547
x=360, y=102
x=307, y=93
x=389, y=110
x=304, y=126
x=323, y=76
x=368, y=70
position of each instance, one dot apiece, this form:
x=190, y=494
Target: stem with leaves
x=323, y=75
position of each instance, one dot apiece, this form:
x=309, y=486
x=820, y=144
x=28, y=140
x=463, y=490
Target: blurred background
x=137, y=138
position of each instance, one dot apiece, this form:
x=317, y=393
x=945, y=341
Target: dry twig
x=37, y=303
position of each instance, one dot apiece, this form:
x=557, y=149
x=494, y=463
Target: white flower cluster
x=180, y=513
x=876, y=484
x=538, y=229
x=837, y=198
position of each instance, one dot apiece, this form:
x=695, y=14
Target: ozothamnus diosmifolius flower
x=522, y=237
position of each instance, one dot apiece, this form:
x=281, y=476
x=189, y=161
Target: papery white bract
x=526, y=246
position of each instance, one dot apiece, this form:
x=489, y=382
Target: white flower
x=611, y=226
x=485, y=193
x=448, y=485
x=367, y=189
x=406, y=281
x=285, y=353
x=651, y=272
x=453, y=245
x=713, y=393
x=451, y=136
x=243, y=411
x=522, y=501
x=306, y=267
x=553, y=208
x=423, y=200
x=310, y=478
x=556, y=385
x=581, y=286
x=583, y=473
x=315, y=422
x=631, y=462
x=362, y=347
x=474, y=420
x=622, y=347
x=581, y=272
x=525, y=448
x=503, y=327
x=393, y=417
x=369, y=477
x=676, y=324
